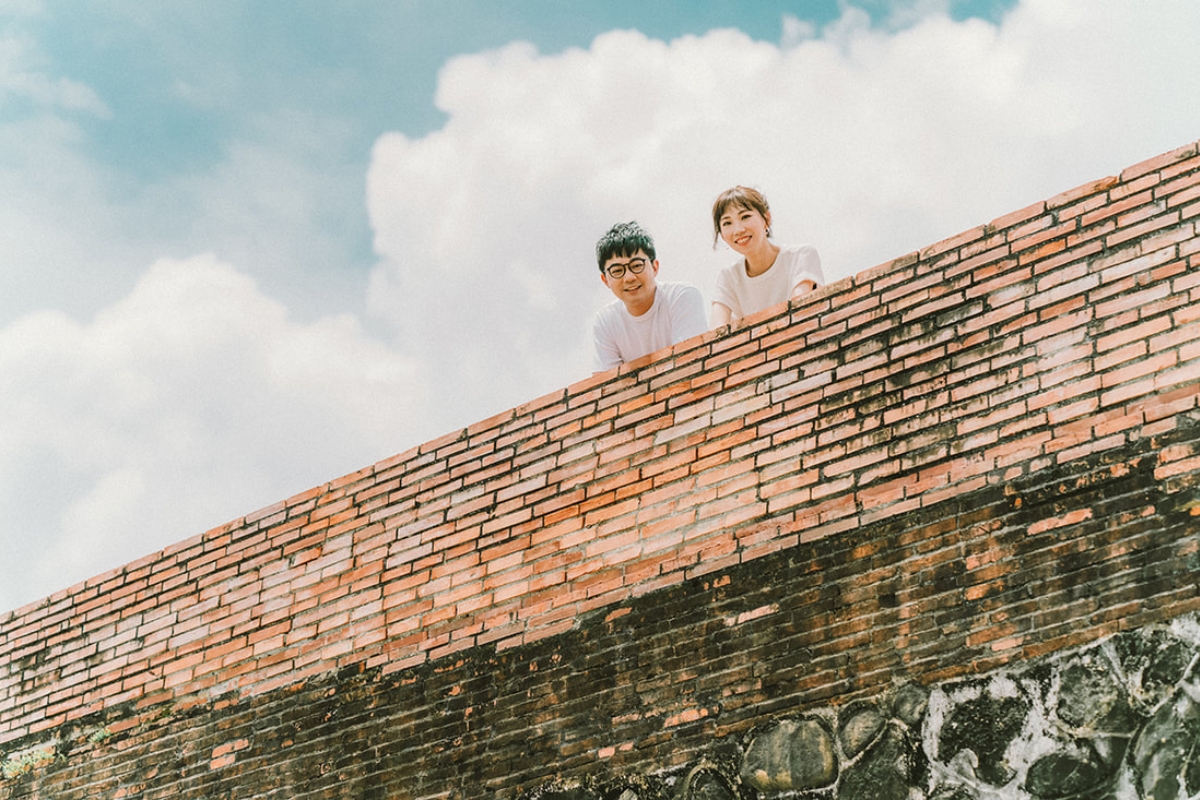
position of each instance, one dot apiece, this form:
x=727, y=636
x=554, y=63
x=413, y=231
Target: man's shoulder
x=678, y=289
x=683, y=301
x=608, y=312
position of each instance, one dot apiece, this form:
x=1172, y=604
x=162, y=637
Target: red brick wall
x=981, y=452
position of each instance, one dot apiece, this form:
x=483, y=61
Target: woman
x=766, y=274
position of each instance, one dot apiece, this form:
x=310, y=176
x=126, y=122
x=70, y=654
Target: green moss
x=99, y=735
x=19, y=764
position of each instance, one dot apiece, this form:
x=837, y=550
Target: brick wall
x=983, y=452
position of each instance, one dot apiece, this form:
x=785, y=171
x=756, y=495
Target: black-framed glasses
x=635, y=266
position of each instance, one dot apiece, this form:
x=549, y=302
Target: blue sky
x=252, y=246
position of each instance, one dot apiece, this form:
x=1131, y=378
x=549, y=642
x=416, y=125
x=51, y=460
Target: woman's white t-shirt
x=744, y=295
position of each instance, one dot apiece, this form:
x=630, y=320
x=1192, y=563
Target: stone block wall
x=971, y=459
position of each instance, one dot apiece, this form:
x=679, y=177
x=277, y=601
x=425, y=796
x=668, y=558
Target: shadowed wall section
x=955, y=465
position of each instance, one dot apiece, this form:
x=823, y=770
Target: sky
x=249, y=247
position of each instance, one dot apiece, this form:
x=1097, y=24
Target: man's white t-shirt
x=676, y=314
x=745, y=295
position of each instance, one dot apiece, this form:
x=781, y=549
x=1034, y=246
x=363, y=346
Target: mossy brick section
x=677, y=677
x=976, y=454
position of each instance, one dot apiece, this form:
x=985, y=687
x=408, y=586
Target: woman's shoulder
x=729, y=274
x=798, y=254
x=803, y=261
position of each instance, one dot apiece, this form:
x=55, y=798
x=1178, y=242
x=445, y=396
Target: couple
x=651, y=316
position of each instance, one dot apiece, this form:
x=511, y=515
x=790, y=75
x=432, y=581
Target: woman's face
x=743, y=229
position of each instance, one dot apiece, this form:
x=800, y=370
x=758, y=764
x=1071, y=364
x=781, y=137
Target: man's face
x=634, y=281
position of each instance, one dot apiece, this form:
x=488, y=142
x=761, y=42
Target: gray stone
x=1110, y=750
x=861, y=724
x=953, y=793
x=636, y=787
x=706, y=783
x=1066, y=773
x=1166, y=754
x=985, y=725
x=1157, y=661
x=910, y=704
x=790, y=755
x=1166, y=666
x=884, y=773
x=1090, y=697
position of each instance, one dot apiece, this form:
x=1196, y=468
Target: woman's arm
x=720, y=315
x=803, y=287
x=804, y=267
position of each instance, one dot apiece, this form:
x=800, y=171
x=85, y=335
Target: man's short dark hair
x=623, y=239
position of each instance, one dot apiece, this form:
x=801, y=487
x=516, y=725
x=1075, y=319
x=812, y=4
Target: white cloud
x=796, y=31
x=869, y=141
x=18, y=81
x=197, y=397
x=192, y=401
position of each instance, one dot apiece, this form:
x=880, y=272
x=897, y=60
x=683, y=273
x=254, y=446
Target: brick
x=1094, y=191
x=1162, y=162
x=944, y=246
x=1143, y=229
x=1015, y=217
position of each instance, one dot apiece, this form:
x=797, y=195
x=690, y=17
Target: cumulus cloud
x=197, y=396
x=869, y=140
x=18, y=81
x=190, y=402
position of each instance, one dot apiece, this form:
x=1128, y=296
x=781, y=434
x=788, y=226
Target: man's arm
x=604, y=347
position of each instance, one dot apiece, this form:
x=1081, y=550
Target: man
x=649, y=315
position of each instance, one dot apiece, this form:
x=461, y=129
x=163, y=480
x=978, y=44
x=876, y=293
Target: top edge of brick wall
x=620, y=378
